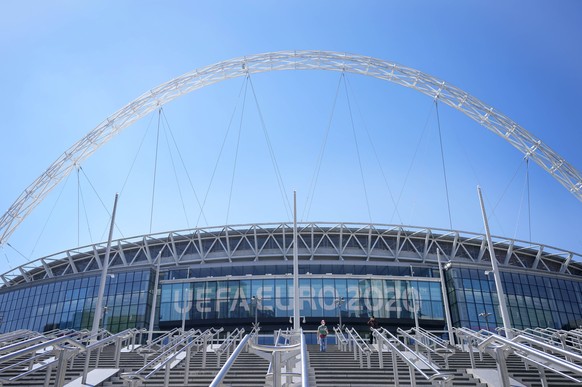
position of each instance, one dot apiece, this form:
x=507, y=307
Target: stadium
x=233, y=274
x=242, y=276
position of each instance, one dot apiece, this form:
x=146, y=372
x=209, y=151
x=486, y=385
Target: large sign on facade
x=318, y=297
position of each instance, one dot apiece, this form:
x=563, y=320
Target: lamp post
x=255, y=302
x=485, y=315
x=338, y=303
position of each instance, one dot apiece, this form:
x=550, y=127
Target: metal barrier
x=542, y=355
x=431, y=343
x=292, y=355
x=217, y=381
x=46, y=353
x=412, y=359
x=229, y=342
x=340, y=340
x=359, y=346
x=183, y=344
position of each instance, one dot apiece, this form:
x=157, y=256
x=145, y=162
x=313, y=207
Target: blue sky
x=68, y=65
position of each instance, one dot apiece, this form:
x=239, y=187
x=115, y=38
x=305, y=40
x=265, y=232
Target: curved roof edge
x=254, y=242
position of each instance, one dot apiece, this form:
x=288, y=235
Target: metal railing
x=292, y=355
x=181, y=345
x=532, y=351
x=46, y=353
x=217, y=381
x=359, y=346
x=415, y=361
x=161, y=343
x=229, y=342
x=432, y=344
x=340, y=339
x=569, y=340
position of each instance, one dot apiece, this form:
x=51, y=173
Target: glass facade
x=233, y=299
x=70, y=303
x=214, y=277
x=533, y=300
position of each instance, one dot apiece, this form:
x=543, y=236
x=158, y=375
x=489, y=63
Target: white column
x=496, y=273
x=155, y=300
x=445, y=300
x=296, y=311
x=99, y=306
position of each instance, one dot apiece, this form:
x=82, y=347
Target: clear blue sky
x=67, y=65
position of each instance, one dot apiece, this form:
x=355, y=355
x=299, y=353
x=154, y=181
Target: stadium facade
x=233, y=275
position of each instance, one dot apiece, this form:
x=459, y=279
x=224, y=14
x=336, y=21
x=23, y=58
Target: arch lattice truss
x=480, y=112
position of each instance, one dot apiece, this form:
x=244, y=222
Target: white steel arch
x=480, y=112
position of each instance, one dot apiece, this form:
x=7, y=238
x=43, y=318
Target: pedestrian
x=373, y=324
x=322, y=336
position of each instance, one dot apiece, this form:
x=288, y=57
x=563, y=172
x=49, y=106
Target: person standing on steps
x=322, y=336
x=373, y=324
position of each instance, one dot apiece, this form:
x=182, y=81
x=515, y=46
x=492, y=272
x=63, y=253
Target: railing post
x=167, y=375
x=395, y=369
x=187, y=365
x=276, y=369
x=204, y=345
x=470, y=350
x=381, y=353
x=117, y=351
x=86, y=367
x=61, y=368
x=47, y=378
x=412, y=375
x=543, y=376
x=502, y=366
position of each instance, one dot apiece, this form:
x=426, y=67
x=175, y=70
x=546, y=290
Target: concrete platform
x=490, y=376
x=94, y=377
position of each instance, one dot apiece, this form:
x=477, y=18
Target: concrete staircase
x=248, y=370
x=339, y=369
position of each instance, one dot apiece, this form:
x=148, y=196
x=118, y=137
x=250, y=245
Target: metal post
x=296, y=311
x=99, y=306
x=155, y=300
x=446, y=300
x=255, y=302
x=496, y=273
x=339, y=302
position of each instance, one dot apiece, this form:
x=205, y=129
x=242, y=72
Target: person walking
x=373, y=324
x=322, y=336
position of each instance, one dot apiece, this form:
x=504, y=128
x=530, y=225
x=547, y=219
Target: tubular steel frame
x=458, y=99
x=255, y=243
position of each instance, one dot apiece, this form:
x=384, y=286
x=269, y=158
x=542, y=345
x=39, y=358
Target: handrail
x=162, y=337
x=275, y=366
x=531, y=350
x=228, y=343
x=217, y=381
x=430, y=342
x=341, y=340
x=184, y=343
x=304, y=363
x=18, y=335
x=43, y=352
x=386, y=338
x=161, y=343
x=531, y=354
x=356, y=341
